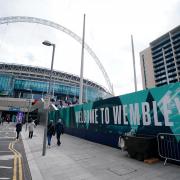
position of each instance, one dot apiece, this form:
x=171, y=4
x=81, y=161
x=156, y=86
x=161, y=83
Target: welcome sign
x=131, y=112
x=148, y=112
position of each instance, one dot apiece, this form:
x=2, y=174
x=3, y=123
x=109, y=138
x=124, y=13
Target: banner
x=147, y=112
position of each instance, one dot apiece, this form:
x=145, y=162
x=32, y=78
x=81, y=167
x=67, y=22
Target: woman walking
x=31, y=128
x=50, y=132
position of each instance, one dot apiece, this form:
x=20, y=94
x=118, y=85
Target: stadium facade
x=23, y=81
x=160, y=63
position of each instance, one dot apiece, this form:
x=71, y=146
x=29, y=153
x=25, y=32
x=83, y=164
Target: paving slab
x=79, y=159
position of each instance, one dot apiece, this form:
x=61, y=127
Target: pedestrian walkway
x=78, y=159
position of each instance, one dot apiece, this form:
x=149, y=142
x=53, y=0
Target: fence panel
x=169, y=146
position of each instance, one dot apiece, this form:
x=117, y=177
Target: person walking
x=13, y=118
x=36, y=122
x=18, y=129
x=31, y=128
x=1, y=120
x=59, y=128
x=50, y=132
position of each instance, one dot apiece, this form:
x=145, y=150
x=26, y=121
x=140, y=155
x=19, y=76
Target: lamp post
x=29, y=107
x=134, y=66
x=47, y=43
x=82, y=65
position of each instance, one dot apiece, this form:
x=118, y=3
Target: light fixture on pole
x=29, y=107
x=47, y=43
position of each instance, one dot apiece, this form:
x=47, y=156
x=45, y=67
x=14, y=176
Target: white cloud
x=109, y=24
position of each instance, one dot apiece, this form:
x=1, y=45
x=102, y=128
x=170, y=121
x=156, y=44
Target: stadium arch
x=15, y=19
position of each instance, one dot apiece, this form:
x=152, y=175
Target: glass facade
x=24, y=81
x=12, y=86
x=6, y=85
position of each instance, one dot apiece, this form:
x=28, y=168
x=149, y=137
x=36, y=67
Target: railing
x=169, y=146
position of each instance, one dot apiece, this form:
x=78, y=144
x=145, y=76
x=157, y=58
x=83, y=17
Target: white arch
x=14, y=19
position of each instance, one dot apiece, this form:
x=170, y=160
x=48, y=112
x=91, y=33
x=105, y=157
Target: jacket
x=18, y=127
x=50, y=129
x=31, y=126
x=59, y=128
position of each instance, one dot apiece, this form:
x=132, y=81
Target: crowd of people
x=61, y=103
x=5, y=119
x=52, y=128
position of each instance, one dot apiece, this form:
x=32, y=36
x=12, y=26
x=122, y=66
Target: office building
x=160, y=63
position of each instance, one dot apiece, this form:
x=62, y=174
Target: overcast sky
x=109, y=25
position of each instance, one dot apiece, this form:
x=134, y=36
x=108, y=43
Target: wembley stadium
x=23, y=81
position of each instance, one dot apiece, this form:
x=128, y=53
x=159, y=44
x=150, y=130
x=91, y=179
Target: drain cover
x=122, y=171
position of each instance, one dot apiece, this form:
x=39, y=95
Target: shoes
x=59, y=143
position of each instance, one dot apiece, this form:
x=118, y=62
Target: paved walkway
x=78, y=159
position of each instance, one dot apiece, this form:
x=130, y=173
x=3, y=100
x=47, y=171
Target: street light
x=47, y=43
x=29, y=107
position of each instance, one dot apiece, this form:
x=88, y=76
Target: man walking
x=18, y=129
x=59, y=130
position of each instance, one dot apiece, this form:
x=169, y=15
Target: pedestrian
x=18, y=129
x=31, y=127
x=36, y=122
x=13, y=118
x=8, y=118
x=59, y=128
x=50, y=132
x=1, y=120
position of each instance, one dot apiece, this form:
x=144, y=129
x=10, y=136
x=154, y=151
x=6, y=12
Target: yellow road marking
x=15, y=162
x=15, y=168
x=20, y=162
x=19, y=156
x=20, y=169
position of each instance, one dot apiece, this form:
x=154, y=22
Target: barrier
x=143, y=114
x=169, y=146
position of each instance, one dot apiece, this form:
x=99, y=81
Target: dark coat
x=18, y=127
x=50, y=129
x=59, y=128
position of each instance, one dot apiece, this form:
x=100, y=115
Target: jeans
x=49, y=136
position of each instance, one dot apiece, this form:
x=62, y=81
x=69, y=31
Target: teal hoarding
x=145, y=112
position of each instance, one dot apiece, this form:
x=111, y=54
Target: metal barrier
x=169, y=146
